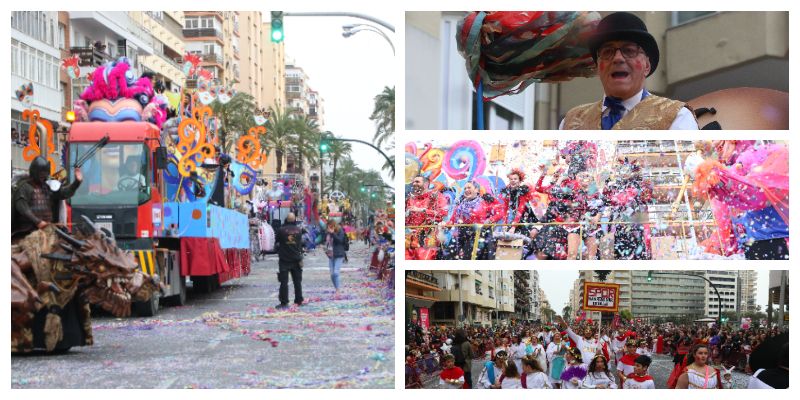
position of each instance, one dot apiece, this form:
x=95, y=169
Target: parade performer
x=34, y=204
x=749, y=192
x=518, y=351
x=556, y=350
x=451, y=377
x=588, y=344
x=533, y=375
x=639, y=379
x=627, y=196
x=618, y=343
x=472, y=208
x=697, y=374
x=538, y=351
x=627, y=363
x=551, y=241
x=598, y=376
x=511, y=378
x=642, y=349
x=492, y=370
x=423, y=207
x=626, y=54
x=573, y=375
x=517, y=198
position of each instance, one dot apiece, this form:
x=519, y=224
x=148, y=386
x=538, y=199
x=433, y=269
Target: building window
x=62, y=36
x=682, y=17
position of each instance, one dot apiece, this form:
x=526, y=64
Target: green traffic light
x=363, y=189
x=276, y=26
x=373, y=195
x=649, y=276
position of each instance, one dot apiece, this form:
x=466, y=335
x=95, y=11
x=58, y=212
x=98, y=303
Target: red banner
x=601, y=296
x=424, y=321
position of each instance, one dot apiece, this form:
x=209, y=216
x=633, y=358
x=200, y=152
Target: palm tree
x=338, y=149
x=567, y=312
x=307, y=135
x=281, y=130
x=383, y=115
x=236, y=118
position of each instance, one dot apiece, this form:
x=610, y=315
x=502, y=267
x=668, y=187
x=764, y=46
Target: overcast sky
x=557, y=283
x=347, y=72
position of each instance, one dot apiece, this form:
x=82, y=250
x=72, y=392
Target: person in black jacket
x=289, y=243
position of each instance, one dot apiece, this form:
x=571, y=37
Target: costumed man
x=289, y=241
x=35, y=206
x=626, y=54
x=423, y=207
x=588, y=345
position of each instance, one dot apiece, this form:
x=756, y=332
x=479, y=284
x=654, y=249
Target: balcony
x=203, y=33
x=419, y=277
x=212, y=58
x=90, y=56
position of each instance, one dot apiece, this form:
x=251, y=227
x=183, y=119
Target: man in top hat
x=626, y=54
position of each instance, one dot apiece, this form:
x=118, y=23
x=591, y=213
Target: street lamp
x=352, y=29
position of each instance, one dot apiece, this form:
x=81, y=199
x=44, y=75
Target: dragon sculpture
x=50, y=268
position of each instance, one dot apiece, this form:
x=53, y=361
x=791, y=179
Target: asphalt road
x=234, y=338
x=660, y=370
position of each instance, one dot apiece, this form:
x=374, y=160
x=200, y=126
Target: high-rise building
x=166, y=28
x=726, y=283
x=487, y=297
x=203, y=35
x=668, y=296
x=522, y=294
x=748, y=280
x=536, y=304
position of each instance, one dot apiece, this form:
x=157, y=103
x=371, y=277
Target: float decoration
x=32, y=150
x=506, y=51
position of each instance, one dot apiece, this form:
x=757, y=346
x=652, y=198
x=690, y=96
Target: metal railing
x=202, y=32
x=582, y=227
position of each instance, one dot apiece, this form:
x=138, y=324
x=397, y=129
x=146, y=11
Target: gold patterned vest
x=652, y=113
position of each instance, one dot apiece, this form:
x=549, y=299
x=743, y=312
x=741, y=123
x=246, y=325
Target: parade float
x=162, y=186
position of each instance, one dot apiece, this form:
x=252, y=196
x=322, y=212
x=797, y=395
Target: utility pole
x=460, y=301
x=782, y=305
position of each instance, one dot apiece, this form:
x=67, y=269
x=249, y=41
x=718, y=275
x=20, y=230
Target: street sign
x=601, y=296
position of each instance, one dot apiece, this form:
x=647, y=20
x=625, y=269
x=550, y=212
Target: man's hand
x=78, y=175
x=42, y=224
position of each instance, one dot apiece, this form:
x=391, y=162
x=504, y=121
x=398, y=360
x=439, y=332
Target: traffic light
x=373, y=195
x=277, y=26
x=724, y=319
x=649, y=276
x=363, y=189
x=324, y=144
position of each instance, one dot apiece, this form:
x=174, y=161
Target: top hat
x=625, y=26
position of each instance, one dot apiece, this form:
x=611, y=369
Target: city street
x=234, y=338
x=660, y=369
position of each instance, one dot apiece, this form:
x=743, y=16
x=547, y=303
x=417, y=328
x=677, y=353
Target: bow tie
x=615, y=112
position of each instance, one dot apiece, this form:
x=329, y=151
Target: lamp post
x=352, y=29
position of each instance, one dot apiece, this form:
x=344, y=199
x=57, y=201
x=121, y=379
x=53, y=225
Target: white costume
x=516, y=354
x=483, y=380
x=511, y=383
x=588, y=347
x=537, y=380
x=705, y=380
x=593, y=379
x=631, y=383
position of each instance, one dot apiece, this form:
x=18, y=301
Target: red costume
x=421, y=243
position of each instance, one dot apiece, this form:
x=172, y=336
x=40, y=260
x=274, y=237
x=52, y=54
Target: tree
x=567, y=312
x=305, y=139
x=626, y=314
x=383, y=115
x=236, y=118
x=337, y=151
x=281, y=131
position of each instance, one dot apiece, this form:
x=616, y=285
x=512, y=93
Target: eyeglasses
x=628, y=51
